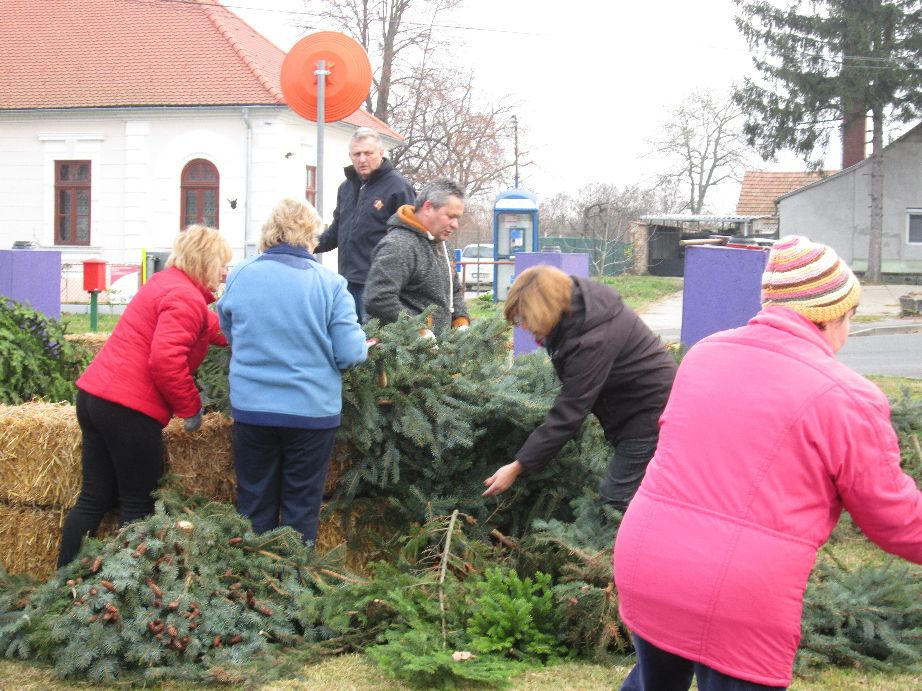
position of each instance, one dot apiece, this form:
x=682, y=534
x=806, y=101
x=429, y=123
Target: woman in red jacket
x=140, y=379
x=765, y=439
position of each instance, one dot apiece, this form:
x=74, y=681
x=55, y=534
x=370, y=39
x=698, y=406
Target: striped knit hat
x=810, y=278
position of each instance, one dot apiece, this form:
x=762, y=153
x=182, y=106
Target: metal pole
x=94, y=319
x=321, y=73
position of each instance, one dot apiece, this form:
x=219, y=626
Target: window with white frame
x=914, y=226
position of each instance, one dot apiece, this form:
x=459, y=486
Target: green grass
x=80, y=323
x=894, y=386
x=637, y=291
x=354, y=672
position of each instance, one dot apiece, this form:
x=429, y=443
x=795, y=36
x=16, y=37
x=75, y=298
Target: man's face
x=441, y=221
x=366, y=155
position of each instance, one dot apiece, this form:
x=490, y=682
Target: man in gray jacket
x=411, y=267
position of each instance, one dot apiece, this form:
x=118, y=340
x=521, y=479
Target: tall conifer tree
x=826, y=63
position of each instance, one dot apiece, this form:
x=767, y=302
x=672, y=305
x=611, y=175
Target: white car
x=476, y=273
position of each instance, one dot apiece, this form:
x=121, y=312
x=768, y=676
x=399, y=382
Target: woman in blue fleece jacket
x=292, y=328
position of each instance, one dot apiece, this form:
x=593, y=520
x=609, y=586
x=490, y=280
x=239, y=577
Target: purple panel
x=573, y=263
x=722, y=289
x=33, y=277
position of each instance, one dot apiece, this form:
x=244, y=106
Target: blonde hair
x=540, y=296
x=201, y=253
x=292, y=222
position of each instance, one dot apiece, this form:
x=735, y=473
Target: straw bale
x=30, y=537
x=339, y=526
x=203, y=460
x=340, y=462
x=92, y=342
x=40, y=447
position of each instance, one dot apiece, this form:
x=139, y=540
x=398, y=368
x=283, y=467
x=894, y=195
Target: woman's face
x=221, y=278
x=836, y=332
x=538, y=334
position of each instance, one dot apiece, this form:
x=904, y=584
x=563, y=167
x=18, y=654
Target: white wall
x=837, y=211
x=137, y=157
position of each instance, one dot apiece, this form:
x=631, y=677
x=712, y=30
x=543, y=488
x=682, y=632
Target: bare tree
x=606, y=214
x=447, y=134
x=704, y=143
x=394, y=33
x=559, y=216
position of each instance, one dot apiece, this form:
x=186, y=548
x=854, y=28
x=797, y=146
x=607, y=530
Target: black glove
x=191, y=424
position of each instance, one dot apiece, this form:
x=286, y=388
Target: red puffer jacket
x=161, y=339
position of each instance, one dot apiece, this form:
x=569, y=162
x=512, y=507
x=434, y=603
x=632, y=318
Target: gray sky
x=591, y=82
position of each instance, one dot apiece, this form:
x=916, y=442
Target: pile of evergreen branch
x=474, y=589
x=424, y=423
x=36, y=360
x=189, y=592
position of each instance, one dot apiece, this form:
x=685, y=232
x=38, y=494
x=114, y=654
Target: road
x=897, y=354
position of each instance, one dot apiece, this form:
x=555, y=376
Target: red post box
x=94, y=275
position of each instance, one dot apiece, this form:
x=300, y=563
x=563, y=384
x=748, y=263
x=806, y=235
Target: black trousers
x=626, y=470
x=122, y=463
x=657, y=670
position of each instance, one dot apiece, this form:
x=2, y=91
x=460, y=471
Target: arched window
x=199, y=198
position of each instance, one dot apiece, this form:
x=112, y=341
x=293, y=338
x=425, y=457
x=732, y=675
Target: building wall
x=137, y=157
x=837, y=210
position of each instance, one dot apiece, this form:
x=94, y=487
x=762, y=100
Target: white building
x=122, y=121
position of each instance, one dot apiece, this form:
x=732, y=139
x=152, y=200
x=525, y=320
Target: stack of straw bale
x=39, y=481
x=40, y=478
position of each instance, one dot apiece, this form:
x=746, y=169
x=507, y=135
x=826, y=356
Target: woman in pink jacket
x=764, y=440
x=140, y=379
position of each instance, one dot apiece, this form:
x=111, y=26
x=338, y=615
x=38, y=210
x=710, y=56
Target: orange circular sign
x=345, y=87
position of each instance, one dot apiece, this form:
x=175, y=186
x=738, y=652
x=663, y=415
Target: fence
x=605, y=258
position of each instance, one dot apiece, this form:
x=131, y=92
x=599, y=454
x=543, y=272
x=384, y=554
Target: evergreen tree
x=823, y=61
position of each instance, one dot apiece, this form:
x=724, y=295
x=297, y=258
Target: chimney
x=854, y=132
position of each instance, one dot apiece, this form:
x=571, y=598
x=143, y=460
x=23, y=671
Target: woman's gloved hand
x=191, y=424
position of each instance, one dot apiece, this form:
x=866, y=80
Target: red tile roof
x=761, y=189
x=124, y=53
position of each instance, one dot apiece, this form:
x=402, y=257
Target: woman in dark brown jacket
x=609, y=363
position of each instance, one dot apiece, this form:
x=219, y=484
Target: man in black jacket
x=609, y=363
x=371, y=193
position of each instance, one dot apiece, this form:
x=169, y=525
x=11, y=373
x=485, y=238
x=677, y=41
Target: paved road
x=896, y=354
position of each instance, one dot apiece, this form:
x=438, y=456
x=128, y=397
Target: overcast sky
x=592, y=82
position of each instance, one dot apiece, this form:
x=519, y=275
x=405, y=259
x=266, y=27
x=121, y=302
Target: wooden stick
x=445, y=553
x=503, y=539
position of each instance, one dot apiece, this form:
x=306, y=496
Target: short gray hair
x=366, y=133
x=438, y=191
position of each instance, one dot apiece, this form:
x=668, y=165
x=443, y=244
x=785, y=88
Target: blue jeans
x=281, y=472
x=356, y=290
x=657, y=670
x=625, y=471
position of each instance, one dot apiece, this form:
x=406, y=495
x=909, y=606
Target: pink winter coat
x=148, y=362
x=765, y=439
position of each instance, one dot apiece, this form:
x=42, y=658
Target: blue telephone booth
x=515, y=230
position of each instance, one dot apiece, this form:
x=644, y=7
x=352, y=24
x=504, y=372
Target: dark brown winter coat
x=610, y=364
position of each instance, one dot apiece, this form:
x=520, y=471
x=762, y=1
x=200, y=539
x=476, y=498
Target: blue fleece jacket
x=292, y=329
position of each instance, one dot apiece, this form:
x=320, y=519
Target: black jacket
x=360, y=219
x=609, y=363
